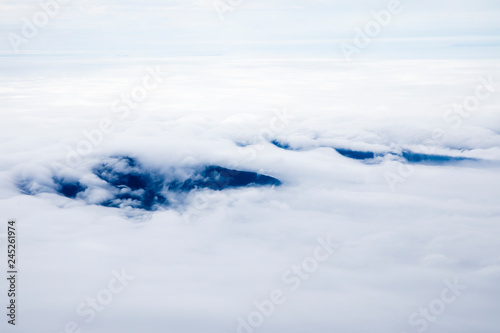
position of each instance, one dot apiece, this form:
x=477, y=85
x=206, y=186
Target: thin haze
x=441, y=28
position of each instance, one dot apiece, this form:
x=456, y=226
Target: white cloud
x=202, y=265
x=270, y=70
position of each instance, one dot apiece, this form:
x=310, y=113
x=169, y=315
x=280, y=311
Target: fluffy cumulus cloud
x=220, y=190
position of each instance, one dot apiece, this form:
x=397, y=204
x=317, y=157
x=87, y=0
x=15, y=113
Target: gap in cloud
x=430, y=159
x=405, y=155
x=355, y=154
x=127, y=183
x=68, y=188
x=131, y=183
x=281, y=144
x=218, y=178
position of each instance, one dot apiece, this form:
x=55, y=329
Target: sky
x=314, y=28
x=383, y=213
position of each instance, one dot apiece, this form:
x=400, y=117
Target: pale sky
x=442, y=28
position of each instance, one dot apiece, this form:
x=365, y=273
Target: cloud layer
x=405, y=230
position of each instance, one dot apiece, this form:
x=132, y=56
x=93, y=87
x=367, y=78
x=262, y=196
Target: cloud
x=207, y=260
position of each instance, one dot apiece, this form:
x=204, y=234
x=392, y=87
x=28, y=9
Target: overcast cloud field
x=250, y=166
